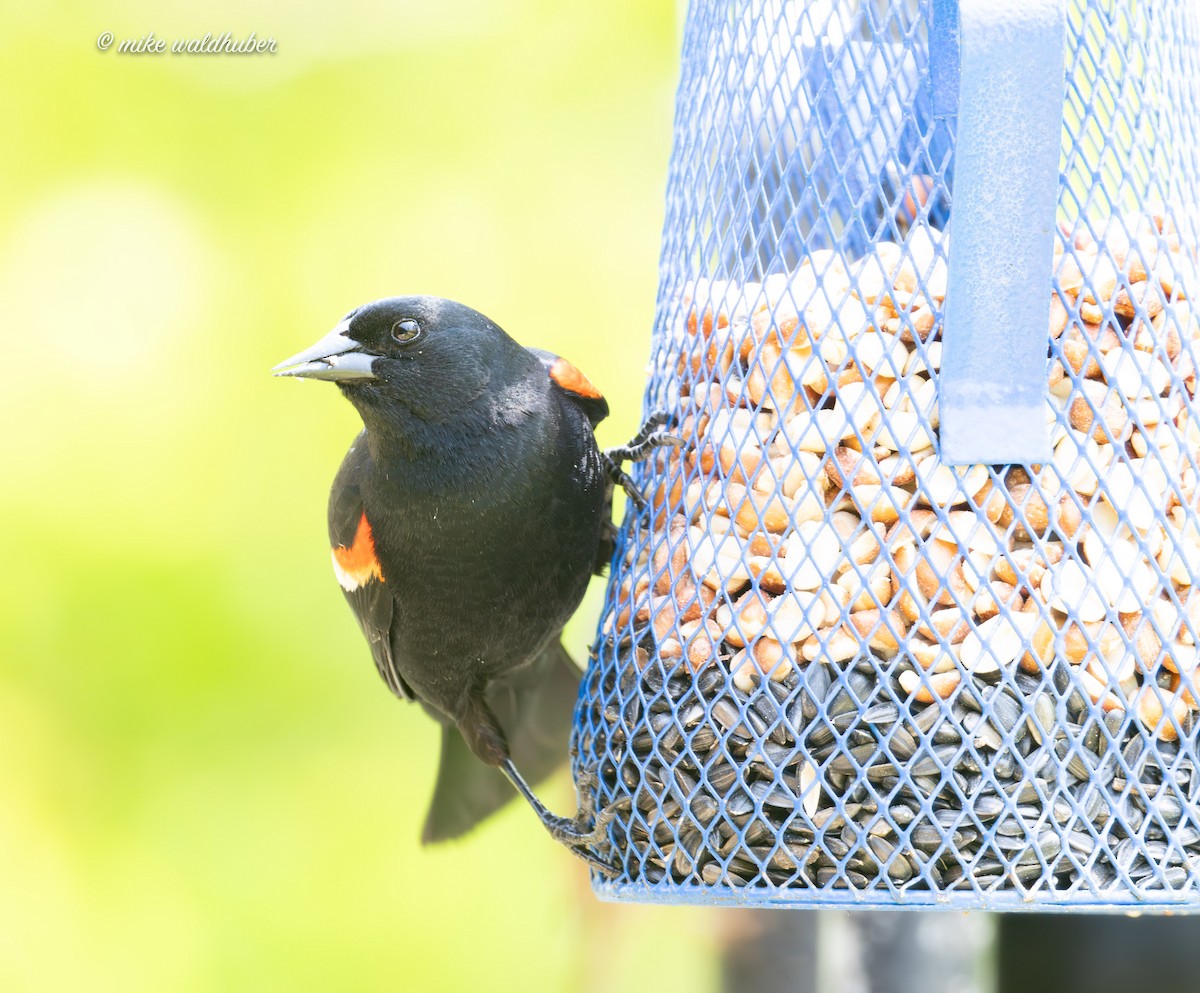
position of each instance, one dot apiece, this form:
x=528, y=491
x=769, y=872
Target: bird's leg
x=571, y=831
x=641, y=446
x=485, y=738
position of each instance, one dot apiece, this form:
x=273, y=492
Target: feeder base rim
x=778, y=899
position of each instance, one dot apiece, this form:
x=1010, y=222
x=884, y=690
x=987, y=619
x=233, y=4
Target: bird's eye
x=406, y=331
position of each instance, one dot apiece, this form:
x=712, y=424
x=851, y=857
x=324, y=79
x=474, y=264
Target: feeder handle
x=999, y=66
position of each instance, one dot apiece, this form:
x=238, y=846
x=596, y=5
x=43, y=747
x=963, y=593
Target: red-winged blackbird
x=465, y=521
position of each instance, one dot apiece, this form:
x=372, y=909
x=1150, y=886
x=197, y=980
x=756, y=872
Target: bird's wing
x=357, y=567
x=574, y=385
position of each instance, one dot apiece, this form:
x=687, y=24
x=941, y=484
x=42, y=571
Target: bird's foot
x=641, y=446
x=588, y=829
x=581, y=833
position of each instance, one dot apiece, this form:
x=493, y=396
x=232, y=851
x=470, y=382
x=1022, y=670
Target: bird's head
x=417, y=355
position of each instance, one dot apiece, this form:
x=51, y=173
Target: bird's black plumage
x=466, y=520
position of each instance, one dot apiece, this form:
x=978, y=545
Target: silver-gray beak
x=335, y=357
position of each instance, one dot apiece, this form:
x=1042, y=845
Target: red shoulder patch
x=357, y=565
x=573, y=381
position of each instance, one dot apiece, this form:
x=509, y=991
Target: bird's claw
x=641, y=446
x=575, y=832
x=622, y=479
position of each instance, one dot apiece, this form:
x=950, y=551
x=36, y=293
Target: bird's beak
x=335, y=357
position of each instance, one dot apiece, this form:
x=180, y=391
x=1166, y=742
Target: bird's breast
x=486, y=571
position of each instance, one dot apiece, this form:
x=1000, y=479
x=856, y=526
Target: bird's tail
x=534, y=707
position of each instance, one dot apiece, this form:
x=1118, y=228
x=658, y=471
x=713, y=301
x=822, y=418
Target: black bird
x=466, y=520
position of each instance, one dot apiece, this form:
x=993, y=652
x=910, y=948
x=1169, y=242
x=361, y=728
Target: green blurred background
x=203, y=784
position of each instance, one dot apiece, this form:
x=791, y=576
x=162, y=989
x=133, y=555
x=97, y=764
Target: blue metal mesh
x=832, y=669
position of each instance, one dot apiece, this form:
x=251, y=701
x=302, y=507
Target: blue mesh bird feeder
x=911, y=618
